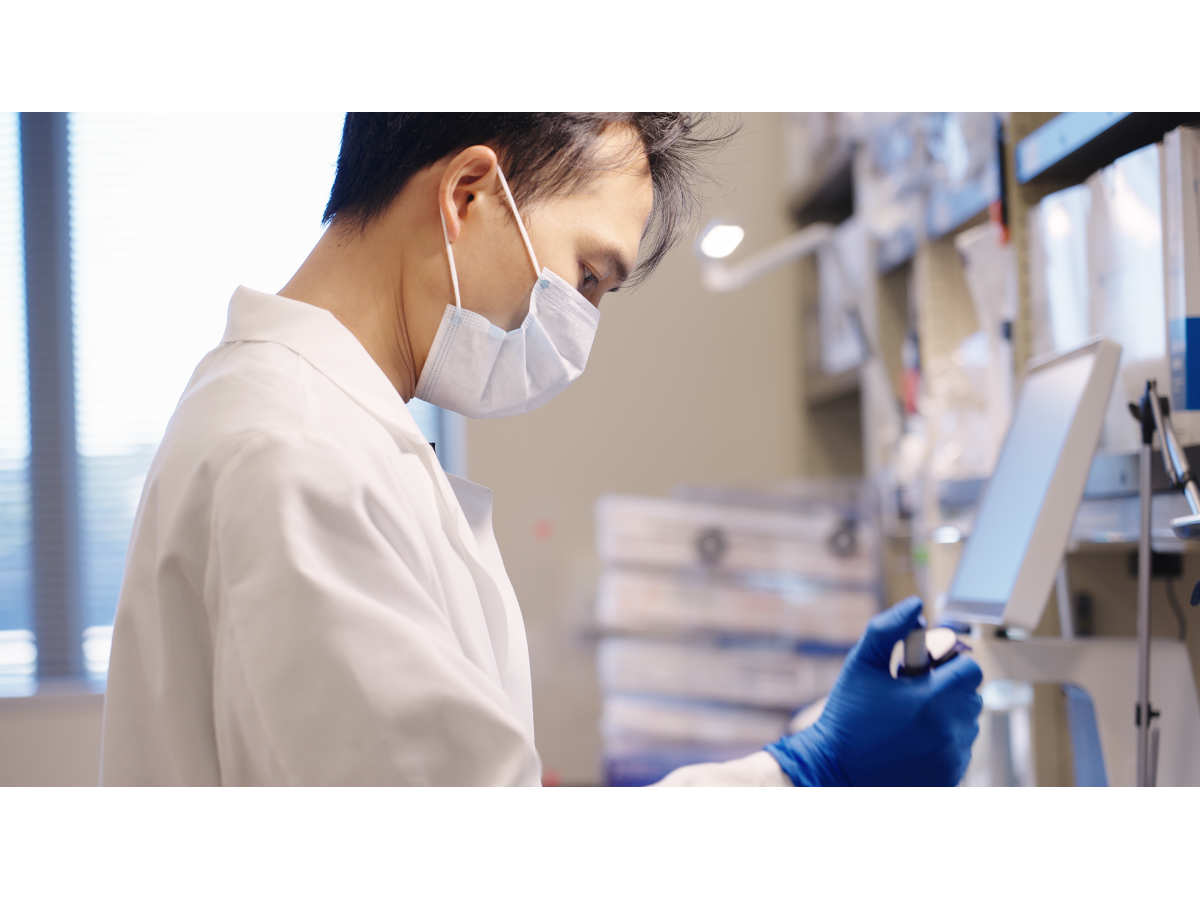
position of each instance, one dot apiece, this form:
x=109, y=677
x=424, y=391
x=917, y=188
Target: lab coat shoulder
x=257, y=411
x=157, y=724
x=276, y=438
x=292, y=611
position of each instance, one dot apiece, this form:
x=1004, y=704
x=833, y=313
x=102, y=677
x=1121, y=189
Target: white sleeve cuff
x=756, y=770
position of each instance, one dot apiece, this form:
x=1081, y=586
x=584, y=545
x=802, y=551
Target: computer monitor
x=1024, y=519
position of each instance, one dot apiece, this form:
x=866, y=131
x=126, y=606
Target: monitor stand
x=1107, y=669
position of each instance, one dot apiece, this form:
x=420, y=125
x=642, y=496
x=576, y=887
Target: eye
x=589, y=281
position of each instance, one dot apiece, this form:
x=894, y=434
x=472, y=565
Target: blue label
x=1184, y=335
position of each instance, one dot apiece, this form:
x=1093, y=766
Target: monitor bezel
x=1048, y=541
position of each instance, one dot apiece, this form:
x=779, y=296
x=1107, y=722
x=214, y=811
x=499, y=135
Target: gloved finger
x=976, y=707
x=962, y=706
x=875, y=646
x=960, y=674
x=966, y=741
x=965, y=757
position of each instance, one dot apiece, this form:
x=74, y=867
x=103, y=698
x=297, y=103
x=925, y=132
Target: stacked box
x=723, y=615
x=1125, y=283
x=1098, y=256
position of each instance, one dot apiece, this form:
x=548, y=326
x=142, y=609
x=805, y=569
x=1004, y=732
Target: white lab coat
x=308, y=598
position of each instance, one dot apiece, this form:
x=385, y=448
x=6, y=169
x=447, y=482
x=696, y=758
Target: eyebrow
x=615, y=261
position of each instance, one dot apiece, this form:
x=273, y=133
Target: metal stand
x=1143, y=602
x=1062, y=595
x=1154, y=413
x=1106, y=668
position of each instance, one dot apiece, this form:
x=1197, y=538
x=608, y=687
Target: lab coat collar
x=326, y=343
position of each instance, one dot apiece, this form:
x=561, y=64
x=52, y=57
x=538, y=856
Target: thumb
x=875, y=646
x=960, y=674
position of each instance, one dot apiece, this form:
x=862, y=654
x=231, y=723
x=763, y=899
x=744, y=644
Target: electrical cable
x=1176, y=608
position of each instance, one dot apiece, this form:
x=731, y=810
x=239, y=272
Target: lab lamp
x=719, y=238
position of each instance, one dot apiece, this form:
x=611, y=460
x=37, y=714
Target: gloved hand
x=877, y=730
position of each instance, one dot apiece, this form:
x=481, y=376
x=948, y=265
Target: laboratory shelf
x=1116, y=474
x=895, y=250
x=821, y=388
x=1073, y=145
x=831, y=201
x=951, y=206
x=1110, y=475
x=1109, y=513
x=948, y=210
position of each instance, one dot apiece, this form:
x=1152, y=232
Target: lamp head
x=718, y=239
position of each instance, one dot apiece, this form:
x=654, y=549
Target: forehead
x=616, y=203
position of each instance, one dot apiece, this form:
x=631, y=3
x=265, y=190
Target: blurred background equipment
x=724, y=613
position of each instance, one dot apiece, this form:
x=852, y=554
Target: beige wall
x=683, y=386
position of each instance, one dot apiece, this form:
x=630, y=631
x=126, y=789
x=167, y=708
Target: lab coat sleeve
x=335, y=660
x=756, y=770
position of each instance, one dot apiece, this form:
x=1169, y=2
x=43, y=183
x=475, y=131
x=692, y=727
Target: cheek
x=504, y=301
x=495, y=283
x=551, y=239
x=518, y=309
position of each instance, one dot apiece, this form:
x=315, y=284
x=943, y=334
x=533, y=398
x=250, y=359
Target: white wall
x=683, y=386
x=50, y=740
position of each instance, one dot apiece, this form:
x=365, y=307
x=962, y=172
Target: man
x=308, y=597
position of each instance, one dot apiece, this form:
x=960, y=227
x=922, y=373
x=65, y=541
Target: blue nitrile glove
x=879, y=730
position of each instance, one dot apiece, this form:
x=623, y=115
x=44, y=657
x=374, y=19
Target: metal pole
x=1143, y=607
x=1062, y=593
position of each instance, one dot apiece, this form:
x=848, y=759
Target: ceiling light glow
x=721, y=240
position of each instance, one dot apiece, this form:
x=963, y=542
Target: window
x=168, y=215
x=17, y=654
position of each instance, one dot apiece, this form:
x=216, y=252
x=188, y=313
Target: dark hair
x=543, y=154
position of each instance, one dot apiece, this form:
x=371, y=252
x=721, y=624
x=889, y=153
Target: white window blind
x=170, y=213
x=17, y=653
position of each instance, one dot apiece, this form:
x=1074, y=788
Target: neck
x=364, y=279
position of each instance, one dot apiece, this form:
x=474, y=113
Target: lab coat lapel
x=455, y=523
x=475, y=500
x=329, y=347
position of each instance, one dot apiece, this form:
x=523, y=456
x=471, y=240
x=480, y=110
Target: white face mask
x=479, y=370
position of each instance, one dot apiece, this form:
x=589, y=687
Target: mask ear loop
x=450, y=256
x=537, y=270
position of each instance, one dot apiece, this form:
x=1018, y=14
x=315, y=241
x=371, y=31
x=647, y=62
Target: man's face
x=589, y=239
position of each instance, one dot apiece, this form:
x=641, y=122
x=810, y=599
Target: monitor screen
x=1016, y=493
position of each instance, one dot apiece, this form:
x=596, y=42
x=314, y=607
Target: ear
x=470, y=175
